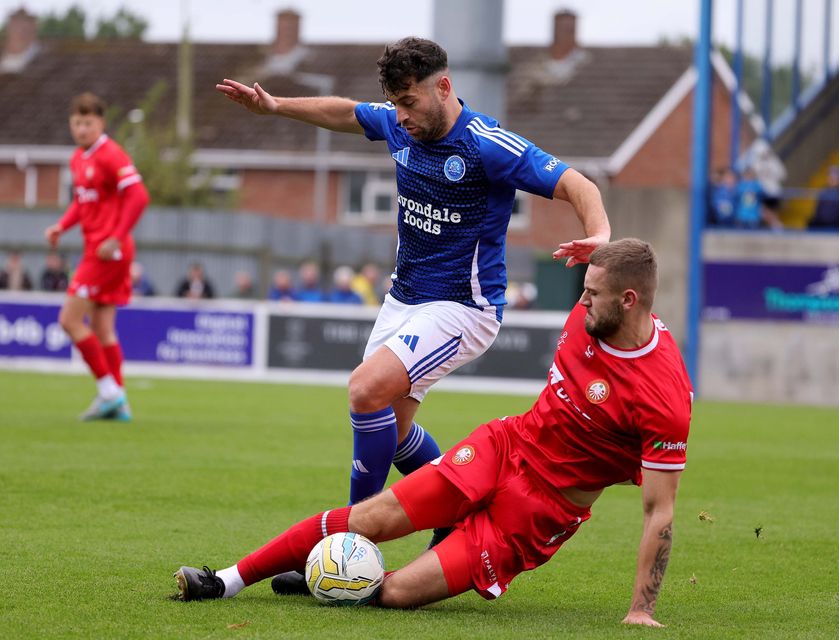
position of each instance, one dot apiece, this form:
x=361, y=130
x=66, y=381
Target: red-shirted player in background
x=616, y=407
x=108, y=200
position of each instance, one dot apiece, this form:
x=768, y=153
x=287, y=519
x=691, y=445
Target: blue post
x=766, y=95
x=796, y=57
x=699, y=187
x=827, y=18
x=734, y=147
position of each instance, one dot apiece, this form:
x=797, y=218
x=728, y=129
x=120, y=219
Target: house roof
x=582, y=107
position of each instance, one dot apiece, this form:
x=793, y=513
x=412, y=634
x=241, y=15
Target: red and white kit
x=101, y=175
x=604, y=415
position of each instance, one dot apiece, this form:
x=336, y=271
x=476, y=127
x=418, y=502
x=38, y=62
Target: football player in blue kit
x=457, y=172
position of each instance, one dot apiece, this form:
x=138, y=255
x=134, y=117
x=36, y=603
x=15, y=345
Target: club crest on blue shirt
x=454, y=168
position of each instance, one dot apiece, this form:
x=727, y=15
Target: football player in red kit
x=108, y=200
x=616, y=410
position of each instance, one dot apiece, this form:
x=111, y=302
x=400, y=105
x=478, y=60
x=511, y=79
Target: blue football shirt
x=455, y=197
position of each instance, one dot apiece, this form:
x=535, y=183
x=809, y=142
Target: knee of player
x=395, y=595
x=369, y=522
x=67, y=321
x=364, y=395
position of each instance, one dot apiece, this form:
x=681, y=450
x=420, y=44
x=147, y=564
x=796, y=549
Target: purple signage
x=186, y=337
x=32, y=331
x=804, y=293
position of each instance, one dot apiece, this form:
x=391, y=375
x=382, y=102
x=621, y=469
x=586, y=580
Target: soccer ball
x=345, y=569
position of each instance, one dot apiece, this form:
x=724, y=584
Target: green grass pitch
x=95, y=517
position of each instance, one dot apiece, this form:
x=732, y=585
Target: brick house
x=621, y=115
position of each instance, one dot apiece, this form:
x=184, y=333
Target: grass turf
x=95, y=517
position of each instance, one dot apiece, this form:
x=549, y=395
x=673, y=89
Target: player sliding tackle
x=457, y=172
x=616, y=409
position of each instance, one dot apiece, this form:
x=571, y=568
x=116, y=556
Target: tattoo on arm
x=649, y=590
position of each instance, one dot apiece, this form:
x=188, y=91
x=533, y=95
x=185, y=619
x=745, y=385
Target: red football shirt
x=607, y=413
x=99, y=174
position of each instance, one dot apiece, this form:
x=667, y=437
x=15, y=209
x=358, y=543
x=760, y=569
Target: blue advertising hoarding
x=202, y=337
x=788, y=292
x=155, y=335
x=32, y=331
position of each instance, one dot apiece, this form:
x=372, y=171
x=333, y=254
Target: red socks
x=289, y=550
x=113, y=356
x=94, y=356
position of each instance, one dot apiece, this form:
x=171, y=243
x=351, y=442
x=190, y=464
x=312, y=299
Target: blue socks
x=374, y=444
x=415, y=450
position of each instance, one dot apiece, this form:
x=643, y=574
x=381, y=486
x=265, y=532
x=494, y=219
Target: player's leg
x=374, y=385
x=72, y=319
x=380, y=518
x=103, y=324
x=433, y=576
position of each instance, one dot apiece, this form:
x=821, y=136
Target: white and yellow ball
x=345, y=569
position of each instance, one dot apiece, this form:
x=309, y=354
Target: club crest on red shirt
x=597, y=391
x=464, y=455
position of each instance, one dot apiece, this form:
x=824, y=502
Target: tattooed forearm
x=647, y=594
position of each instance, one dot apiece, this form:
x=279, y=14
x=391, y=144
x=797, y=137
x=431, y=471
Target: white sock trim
x=233, y=582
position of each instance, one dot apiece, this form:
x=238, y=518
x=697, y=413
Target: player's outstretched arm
x=659, y=499
x=584, y=196
x=329, y=112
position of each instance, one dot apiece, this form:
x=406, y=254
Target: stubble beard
x=607, y=324
x=436, y=126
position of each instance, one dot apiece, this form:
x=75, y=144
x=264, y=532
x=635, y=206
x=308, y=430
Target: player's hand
x=52, y=234
x=254, y=99
x=641, y=618
x=578, y=251
x=109, y=249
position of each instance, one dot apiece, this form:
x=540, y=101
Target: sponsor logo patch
x=552, y=164
x=401, y=156
x=454, y=168
x=597, y=391
x=670, y=446
x=464, y=455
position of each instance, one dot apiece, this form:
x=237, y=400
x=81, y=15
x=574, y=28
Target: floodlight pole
x=699, y=186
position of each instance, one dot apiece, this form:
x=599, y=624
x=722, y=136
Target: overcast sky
x=525, y=21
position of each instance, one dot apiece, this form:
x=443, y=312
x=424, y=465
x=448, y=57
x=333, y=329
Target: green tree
x=70, y=25
x=124, y=25
x=149, y=135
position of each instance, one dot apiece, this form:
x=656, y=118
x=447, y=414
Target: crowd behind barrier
x=367, y=286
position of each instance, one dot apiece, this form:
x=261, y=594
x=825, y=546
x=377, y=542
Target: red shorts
x=104, y=281
x=507, y=520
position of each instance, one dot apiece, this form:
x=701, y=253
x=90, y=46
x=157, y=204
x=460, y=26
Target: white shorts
x=432, y=339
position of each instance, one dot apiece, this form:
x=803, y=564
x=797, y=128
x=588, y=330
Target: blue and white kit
x=455, y=197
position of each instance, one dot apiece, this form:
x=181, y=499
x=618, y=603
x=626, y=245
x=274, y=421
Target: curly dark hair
x=409, y=59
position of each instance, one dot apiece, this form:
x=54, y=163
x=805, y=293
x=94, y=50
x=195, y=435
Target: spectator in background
x=195, y=285
x=342, y=292
x=751, y=212
x=140, y=283
x=723, y=198
x=14, y=276
x=54, y=276
x=521, y=296
x=827, y=207
x=309, y=276
x=771, y=173
x=243, y=286
x=367, y=284
x=282, y=287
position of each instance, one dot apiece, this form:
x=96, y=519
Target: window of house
x=370, y=197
